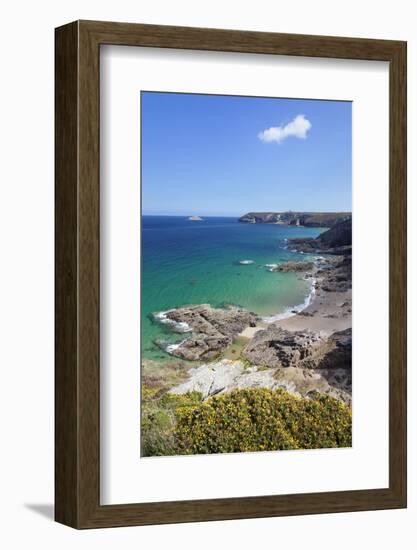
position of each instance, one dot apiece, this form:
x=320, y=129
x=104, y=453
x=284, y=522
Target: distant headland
x=306, y=219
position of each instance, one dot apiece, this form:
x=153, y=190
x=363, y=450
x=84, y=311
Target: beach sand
x=249, y=332
x=328, y=312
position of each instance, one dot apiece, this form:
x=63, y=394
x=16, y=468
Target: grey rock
x=200, y=347
x=224, y=376
x=276, y=347
x=213, y=329
x=307, y=219
x=293, y=267
x=205, y=319
x=336, y=240
x=340, y=353
x=210, y=379
x=339, y=277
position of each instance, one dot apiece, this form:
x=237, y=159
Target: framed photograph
x=230, y=274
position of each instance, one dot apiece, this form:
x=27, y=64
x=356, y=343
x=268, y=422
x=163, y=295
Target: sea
x=196, y=262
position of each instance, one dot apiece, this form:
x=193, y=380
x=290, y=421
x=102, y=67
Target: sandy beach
x=328, y=312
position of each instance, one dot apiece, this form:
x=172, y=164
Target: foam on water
x=291, y=311
x=170, y=348
x=176, y=326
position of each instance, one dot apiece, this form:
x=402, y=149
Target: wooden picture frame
x=77, y=384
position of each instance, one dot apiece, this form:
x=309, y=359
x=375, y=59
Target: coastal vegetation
x=251, y=419
x=159, y=420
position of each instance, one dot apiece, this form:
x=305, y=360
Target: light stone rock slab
x=226, y=375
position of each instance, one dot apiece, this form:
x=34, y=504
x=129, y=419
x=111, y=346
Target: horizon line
x=252, y=211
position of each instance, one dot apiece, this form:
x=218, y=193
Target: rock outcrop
x=277, y=347
x=307, y=219
x=339, y=356
x=224, y=376
x=292, y=267
x=213, y=329
x=338, y=278
x=336, y=240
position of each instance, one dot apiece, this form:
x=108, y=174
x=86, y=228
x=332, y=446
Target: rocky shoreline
x=213, y=330
x=336, y=240
x=306, y=219
x=307, y=352
x=235, y=381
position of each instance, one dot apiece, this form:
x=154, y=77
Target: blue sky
x=228, y=155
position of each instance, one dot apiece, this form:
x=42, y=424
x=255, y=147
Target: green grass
x=158, y=436
x=235, y=349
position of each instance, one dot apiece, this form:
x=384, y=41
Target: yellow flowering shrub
x=158, y=419
x=260, y=419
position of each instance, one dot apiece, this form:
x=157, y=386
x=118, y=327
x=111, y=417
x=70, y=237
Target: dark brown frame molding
x=77, y=466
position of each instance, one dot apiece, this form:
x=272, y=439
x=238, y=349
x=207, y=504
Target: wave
x=246, y=262
x=293, y=310
x=169, y=348
x=176, y=326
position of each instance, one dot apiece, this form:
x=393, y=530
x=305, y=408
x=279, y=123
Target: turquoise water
x=190, y=262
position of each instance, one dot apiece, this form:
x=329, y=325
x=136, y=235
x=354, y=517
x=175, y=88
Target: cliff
x=336, y=240
x=307, y=219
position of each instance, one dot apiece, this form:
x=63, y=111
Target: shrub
x=259, y=419
x=158, y=420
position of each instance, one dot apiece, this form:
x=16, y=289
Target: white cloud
x=297, y=128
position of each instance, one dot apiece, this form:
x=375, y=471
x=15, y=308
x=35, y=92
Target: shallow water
x=194, y=262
